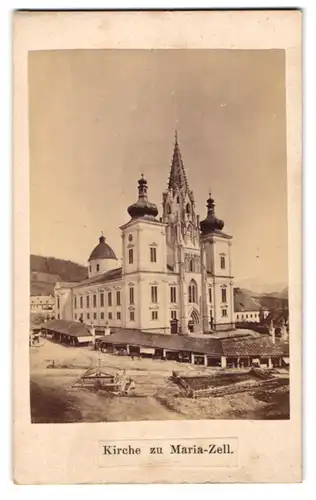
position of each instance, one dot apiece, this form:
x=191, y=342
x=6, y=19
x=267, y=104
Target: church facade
x=176, y=273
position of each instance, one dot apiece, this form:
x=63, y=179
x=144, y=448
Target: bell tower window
x=178, y=200
x=223, y=263
x=188, y=209
x=130, y=256
x=153, y=254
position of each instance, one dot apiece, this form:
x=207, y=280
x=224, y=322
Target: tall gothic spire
x=177, y=178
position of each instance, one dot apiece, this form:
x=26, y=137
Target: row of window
x=153, y=255
x=94, y=300
x=242, y=316
x=102, y=316
x=193, y=297
x=154, y=315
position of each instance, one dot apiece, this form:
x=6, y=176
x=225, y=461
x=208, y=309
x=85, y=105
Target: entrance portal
x=194, y=322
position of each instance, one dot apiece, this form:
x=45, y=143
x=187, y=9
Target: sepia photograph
x=158, y=235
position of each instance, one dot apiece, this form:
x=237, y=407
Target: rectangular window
x=153, y=254
x=210, y=295
x=154, y=294
x=88, y=315
x=130, y=256
x=58, y=303
x=118, y=315
x=81, y=302
x=131, y=316
x=118, y=298
x=110, y=315
x=110, y=299
x=94, y=315
x=173, y=294
x=131, y=295
x=237, y=316
x=224, y=313
x=101, y=299
x=94, y=300
x=88, y=301
x=224, y=296
x=75, y=301
x=173, y=314
x=154, y=314
x=58, y=316
x=223, y=264
x=102, y=315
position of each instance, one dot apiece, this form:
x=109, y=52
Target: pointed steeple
x=177, y=178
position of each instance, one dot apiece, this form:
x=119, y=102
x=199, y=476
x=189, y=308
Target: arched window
x=188, y=209
x=191, y=266
x=193, y=295
x=168, y=209
x=178, y=200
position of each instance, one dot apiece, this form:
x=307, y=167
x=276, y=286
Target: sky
x=100, y=118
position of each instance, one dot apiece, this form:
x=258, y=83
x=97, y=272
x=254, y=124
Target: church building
x=176, y=272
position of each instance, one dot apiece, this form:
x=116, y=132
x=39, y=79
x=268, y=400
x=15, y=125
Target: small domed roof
x=102, y=251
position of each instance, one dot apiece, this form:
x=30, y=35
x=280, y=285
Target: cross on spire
x=177, y=178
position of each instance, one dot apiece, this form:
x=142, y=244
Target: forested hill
x=46, y=271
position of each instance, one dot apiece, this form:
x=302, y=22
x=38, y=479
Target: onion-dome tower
x=143, y=207
x=211, y=224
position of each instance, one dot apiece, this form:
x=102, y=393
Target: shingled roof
x=262, y=346
x=71, y=328
x=244, y=302
x=164, y=341
x=255, y=346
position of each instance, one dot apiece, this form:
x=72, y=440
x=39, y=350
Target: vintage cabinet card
x=157, y=229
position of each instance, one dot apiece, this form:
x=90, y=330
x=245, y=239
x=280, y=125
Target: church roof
x=177, y=178
x=102, y=251
x=113, y=274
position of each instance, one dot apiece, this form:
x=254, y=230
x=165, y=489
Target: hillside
x=46, y=271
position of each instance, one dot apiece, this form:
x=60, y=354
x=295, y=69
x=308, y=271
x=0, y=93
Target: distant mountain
x=272, y=301
x=46, y=271
x=257, y=287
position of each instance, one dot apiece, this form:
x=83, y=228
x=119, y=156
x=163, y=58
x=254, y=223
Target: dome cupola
x=211, y=223
x=143, y=207
x=102, y=251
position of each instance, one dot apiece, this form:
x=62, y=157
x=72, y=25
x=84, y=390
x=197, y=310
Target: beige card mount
x=157, y=230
